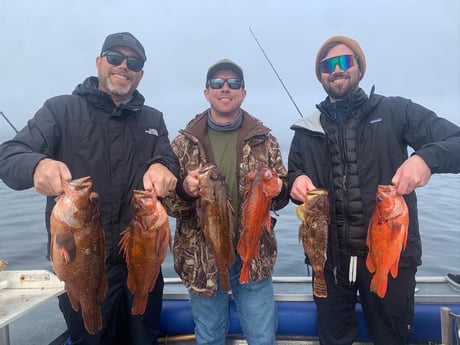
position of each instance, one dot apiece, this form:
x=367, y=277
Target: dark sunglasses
x=344, y=61
x=115, y=58
x=218, y=83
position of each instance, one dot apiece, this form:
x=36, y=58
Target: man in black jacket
x=105, y=131
x=351, y=144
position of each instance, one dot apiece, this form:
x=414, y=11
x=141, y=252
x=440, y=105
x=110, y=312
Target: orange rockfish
x=144, y=244
x=386, y=237
x=263, y=186
x=216, y=219
x=313, y=233
x=77, y=250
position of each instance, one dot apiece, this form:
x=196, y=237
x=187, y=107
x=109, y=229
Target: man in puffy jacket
x=105, y=131
x=351, y=144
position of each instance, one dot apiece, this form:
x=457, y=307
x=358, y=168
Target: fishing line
x=274, y=70
x=9, y=122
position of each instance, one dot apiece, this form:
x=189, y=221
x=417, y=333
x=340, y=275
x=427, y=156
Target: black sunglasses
x=218, y=83
x=116, y=59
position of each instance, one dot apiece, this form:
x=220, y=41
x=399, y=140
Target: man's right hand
x=190, y=184
x=48, y=177
x=302, y=184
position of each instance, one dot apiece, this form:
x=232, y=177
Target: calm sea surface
x=23, y=235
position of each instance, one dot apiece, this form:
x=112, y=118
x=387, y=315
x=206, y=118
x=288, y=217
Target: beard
x=339, y=92
x=113, y=89
x=117, y=90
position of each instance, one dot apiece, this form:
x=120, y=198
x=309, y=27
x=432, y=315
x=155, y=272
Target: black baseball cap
x=224, y=64
x=124, y=39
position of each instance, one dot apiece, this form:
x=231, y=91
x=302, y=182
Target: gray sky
x=412, y=49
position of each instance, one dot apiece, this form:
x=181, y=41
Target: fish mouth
x=311, y=194
x=82, y=182
x=142, y=193
x=205, y=168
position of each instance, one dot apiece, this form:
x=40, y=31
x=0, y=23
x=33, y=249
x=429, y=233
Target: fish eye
x=268, y=175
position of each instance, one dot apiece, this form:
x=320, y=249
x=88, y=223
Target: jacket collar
x=101, y=100
x=250, y=126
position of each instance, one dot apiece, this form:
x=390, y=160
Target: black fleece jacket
x=93, y=137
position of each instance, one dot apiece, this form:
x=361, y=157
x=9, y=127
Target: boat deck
x=29, y=312
x=297, y=311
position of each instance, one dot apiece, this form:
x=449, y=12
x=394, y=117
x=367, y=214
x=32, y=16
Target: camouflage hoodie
x=193, y=257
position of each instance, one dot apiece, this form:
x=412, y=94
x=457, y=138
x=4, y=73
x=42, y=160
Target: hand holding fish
x=413, y=173
x=49, y=175
x=302, y=184
x=191, y=185
x=160, y=178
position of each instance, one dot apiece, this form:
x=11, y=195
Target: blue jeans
x=255, y=304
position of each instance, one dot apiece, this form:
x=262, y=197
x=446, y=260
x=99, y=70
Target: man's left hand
x=161, y=178
x=413, y=173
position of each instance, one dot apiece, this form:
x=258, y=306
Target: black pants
x=389, y=320
x=120, y=327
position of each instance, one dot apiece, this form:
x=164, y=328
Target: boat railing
x=450, y=327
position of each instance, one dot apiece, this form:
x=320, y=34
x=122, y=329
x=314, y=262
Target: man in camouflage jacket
x=253, y=146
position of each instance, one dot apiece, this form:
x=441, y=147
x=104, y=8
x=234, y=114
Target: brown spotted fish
x=386, y=237
x=313, y=233
x=216, y=219
x=263, y=186
x=144, y=244
x=77, y=249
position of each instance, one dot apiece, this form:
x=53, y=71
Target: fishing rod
x=9, y=122
x=274, y=70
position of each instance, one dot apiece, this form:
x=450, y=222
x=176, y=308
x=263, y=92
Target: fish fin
x=370, y=263
x=300, y=212
x=103, y=286
x=241, y=247
x=268, y=222
x=244, y=274
x=379, y=284
x=224, y=280
x=131, y=282
x=394, y=269
x=92, y=318
x=124, y=242
x=139, y=305
x=230, y=258
x=74, y=302
x=66, y=246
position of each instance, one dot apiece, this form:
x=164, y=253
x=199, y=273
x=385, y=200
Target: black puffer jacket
x=352, y=158
x=92, y=137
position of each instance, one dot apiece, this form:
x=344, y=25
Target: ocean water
x=23, y=234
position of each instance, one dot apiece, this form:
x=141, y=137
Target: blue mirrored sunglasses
x=344, y=61
x=116, y=59
x=218, y=83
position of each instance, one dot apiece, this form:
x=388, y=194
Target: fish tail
x=319, y=286
x=139, y=305
x=379, y=285
x=92, y=318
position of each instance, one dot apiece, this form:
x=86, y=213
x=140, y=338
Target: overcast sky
x=412, y=49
